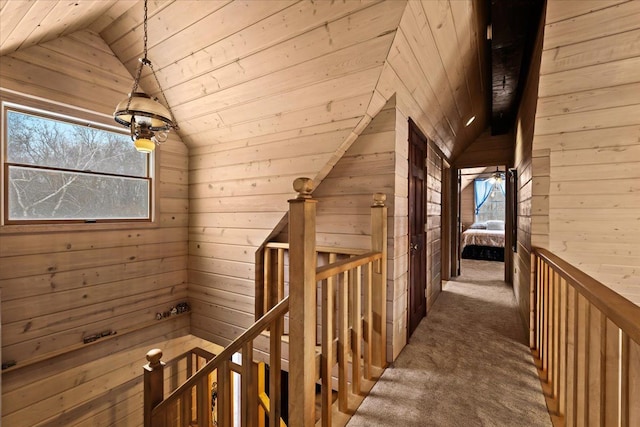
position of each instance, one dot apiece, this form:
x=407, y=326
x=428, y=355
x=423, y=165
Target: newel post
x=379, y=283
x=302, y=305
x=153, y=383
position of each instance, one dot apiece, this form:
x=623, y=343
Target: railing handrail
x=614, y=306
x=322, y=249
x=256, y=329
x=344, y=265
x=198, y=351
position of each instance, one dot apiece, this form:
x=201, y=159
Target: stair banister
x=586, y=341
x=302, y=306
x=153, y=383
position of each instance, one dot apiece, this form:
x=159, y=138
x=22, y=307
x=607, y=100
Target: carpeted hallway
x=467, y=363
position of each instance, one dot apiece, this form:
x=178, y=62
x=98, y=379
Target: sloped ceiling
x=233, y=70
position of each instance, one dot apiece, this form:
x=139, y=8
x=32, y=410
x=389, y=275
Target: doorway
x=417, y=223
x=483, y=220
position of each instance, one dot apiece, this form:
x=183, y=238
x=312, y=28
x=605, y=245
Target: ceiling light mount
x=148, y=120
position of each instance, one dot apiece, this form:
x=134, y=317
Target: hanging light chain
x=145, y=30
x=142, y=60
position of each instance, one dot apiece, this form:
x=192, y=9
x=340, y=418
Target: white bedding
x=479, y=237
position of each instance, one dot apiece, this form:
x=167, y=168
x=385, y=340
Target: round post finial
x=154, y=356
x=304, y=187
x=379, y=199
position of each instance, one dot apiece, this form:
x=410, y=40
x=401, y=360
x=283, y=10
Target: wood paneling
x=434, y=226
x=26, y=23
x=62, y=283
x=487, y=150
x=282, y=89
x=522, y=162
x=435, y=67
x=467, y=206
x=585, y=147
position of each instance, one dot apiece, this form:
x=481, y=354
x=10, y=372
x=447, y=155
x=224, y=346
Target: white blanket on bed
x=494, y=238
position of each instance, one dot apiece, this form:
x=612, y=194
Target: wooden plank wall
x=467, y=206
x=61, y=283
x=239, y=184
x=345, y=197
x=399, y=294
x=487, y=150
x=322, y=81
x=434, y=226
x=586, y=138
x=434, y=67
x=528, y=186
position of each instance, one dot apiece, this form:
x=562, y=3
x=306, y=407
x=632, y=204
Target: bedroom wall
x=585, y=148
x=60, y=283
x=467, y=206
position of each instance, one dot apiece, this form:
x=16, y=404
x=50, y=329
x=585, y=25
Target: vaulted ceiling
x=233, y=70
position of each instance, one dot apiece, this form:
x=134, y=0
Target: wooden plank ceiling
x=233, y=70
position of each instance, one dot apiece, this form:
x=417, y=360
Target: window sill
x=76, y=226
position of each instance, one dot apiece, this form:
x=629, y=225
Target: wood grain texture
x=522, y=162
x=586, y=139
x=63, y=283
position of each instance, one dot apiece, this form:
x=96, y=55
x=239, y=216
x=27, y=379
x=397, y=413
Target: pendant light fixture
x=148, y=119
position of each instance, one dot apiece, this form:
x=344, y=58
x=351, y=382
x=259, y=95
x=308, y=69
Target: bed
x=484, y=241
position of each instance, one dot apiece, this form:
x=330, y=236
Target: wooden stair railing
x=586, y=341
x=173, y=410
x=358, y=283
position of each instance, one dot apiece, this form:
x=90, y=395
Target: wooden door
x=417, y=221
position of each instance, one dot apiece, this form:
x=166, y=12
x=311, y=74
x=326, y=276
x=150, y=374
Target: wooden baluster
x=275, y=374
x=268, y=281
x=630, y=387
x=596, y=367
x=551, y=337
x=611, y=406
x=545, y=322
x=261, y=394
x=153, y=384
x=368, y=321
x=280, y=281
x=379, y=294
x=572, y=357
x=225, y=396
x=562, y=367
x=328, y=309
x=539, y=303
x=185, y=398
x=302, y=302
x=343, y=343
x=249, y=387
x=533, y=303
x=582, y=405
x=280, y=274
x=356, y=341
x=633, y=383
x=556, y=339
x=625, y=396
x=204, y=404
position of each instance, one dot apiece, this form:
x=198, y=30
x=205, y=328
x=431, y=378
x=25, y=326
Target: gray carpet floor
x=467, y=364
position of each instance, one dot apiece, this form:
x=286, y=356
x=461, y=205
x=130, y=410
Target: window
x=59, y=169
x=490, y=199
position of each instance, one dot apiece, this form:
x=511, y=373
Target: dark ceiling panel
x=513, y=24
